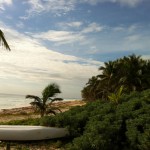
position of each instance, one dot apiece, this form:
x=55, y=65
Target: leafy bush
x=104, y=125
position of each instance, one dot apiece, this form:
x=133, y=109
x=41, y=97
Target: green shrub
x=104, y=125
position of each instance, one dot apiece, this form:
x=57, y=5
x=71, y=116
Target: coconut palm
x=132, y=72
x=108, y=77
x=3, y=41
x=146, y=75
x=44, y=104
x=90, y=91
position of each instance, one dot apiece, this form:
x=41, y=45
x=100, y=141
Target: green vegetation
x=44, y=104
x=115, y=97
x=133, y=73
x=3, y=41
x=104, y=125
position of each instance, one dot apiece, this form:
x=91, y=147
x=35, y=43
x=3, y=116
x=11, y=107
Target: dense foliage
x=104, y=125
x=133, y=73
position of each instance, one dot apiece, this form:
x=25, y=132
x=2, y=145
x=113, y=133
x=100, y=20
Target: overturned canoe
x=29, y=133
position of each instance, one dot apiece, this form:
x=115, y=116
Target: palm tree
x=44, y=104
x=115, y=97
x=91, y=92
x=146, y=75
x=3, y=41
x=108, y=77
x=132, y=72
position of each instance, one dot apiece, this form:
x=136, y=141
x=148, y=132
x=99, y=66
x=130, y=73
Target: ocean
x=8, y=101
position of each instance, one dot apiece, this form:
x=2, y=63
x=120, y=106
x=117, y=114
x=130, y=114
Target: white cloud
x=74, y=24
x=66, y=36
x=70, y=25
x=56, y=7
x=30, y=64
x=127, y=29
x=2, y=8
x=93, y=27
x=60, y=36
x=3, y=3
x=131, y=3
x=7, y=2
x=63, y=6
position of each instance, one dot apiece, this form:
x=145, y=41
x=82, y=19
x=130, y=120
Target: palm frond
x=36, y=98
x=3, y=41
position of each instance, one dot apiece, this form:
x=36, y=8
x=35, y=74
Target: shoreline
x=21, y=103
x=20, y=113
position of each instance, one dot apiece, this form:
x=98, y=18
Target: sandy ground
x=28, y=112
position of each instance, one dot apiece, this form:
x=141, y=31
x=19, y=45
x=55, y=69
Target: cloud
x=74, y=24
x=93, y=27
x=7, y=2
x=30, y=63
x=131, y=3
x=20, y=24
x=67, y=36
x=60, y=36
x=53, y=6
x=147, y=57
x=127, y=29
x=3, y=3
x=133, y=38
x=62, y=7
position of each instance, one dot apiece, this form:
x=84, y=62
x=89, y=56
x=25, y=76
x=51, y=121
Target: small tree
x=44, y=104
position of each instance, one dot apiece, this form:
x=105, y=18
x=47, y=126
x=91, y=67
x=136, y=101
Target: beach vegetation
x=115, y=97
x=132, y=73
x=102, y=125
x=44, y=104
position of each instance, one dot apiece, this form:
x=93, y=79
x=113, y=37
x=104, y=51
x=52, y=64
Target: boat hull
x=30, y=133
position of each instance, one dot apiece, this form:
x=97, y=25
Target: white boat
x=29, y=133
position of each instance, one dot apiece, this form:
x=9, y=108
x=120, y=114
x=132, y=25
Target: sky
x=66, y=41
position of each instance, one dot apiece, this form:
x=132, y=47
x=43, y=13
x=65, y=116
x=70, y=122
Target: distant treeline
x=132, y=73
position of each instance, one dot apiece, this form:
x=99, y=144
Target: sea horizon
x=8, y=101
